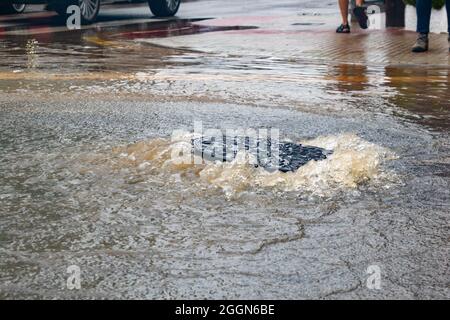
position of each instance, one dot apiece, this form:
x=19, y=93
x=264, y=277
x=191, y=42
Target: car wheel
x=12, y=8
x=164, y=8
x=88, y=9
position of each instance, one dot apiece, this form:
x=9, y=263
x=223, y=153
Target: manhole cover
x=282, y=156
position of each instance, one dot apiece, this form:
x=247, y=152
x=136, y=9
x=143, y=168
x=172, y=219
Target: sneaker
x=421, y=44
x=361, y=15
x=343, y=28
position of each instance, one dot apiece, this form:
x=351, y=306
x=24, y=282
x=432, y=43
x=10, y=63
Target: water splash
x=354, y=162
x=31, y=52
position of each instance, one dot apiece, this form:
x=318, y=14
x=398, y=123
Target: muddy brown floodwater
x=87, y=177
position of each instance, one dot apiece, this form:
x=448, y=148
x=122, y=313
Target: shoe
x=421, y=44
x=361, y=15
x=343, y=28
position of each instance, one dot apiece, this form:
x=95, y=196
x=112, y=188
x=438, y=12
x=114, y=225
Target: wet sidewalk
x=309, y=35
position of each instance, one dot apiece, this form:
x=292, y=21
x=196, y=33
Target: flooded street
x=87, y=122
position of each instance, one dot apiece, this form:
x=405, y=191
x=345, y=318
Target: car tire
x=88, y=8
x=12, y=8
x=164, y=8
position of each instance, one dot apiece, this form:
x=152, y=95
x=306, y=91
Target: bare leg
x=359, y=3
x=343, y=5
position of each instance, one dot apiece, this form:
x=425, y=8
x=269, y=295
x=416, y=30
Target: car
x=12, y=7
x=89, y=8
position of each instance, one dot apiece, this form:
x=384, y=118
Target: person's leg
x=343, y=6
x=344, y=27
x=448, y=16
x=360, y=14
x=423, y=25
x=448, y=22
x=423, y=16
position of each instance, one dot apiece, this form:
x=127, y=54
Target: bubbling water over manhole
x=352, y=163
x=264, y=153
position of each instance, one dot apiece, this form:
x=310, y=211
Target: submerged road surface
x=91, y=119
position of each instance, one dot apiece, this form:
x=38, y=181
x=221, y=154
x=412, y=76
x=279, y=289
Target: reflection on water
x=349, y=78
x=424, y=92
x=108, y=59
x=106, y=48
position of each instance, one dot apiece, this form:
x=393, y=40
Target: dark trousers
x=424, y=15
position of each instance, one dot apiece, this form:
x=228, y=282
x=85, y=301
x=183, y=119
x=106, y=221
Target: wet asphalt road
x=87, y=178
